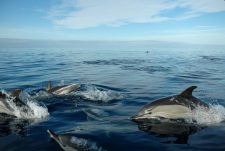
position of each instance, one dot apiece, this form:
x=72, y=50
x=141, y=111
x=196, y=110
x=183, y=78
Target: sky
x=189, y=21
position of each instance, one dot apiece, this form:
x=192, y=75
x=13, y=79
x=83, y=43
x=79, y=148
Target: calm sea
x=115, y=83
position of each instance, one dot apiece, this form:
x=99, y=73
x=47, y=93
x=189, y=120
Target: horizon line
x=107, y=40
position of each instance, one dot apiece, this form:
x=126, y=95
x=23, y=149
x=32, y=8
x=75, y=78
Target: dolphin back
x=193, y=101
x=64, y=89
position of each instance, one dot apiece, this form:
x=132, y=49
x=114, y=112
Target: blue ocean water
x=115, y=83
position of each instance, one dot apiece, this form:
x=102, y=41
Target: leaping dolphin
x=72, y=143
x=174, y=107
x=62, y=90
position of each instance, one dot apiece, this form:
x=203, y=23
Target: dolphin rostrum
x=63, y=89
x=174, y=107
x=72, y=143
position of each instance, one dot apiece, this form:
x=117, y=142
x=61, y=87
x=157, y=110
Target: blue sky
x=191, y=21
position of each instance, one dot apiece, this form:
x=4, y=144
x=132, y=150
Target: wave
x=96, y=114
x=214, y=115
x=212, y=58
x=116, y=62
x=148, y=69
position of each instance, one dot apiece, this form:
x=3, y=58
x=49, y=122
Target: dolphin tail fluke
x=188, y=92
x=49, y=85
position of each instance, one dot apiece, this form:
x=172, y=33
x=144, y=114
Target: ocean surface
x=115, y=83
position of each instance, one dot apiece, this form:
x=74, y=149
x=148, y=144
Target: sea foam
x=92, y=93
x=33, y=109
x=214, y=115
x=85, y=144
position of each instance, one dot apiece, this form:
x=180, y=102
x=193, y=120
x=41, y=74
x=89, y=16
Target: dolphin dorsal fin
x=49, y=85
x=188, y=92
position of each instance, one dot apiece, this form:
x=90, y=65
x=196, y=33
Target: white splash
x=33, y=110
x=42, y=94
x=214, y=115
x=85, y=144
x=94, y=94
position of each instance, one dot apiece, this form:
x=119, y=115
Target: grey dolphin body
x=5, y=108
x=173, y=107
x=72, y=143
x=62, y=90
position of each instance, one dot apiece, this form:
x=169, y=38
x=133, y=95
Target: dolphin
x=177, y=107
x=63, y=89
x=72, y=143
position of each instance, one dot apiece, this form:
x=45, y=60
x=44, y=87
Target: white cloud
x=204, y=6
x=195, y=35
x=92, y=13
x=89, y=13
